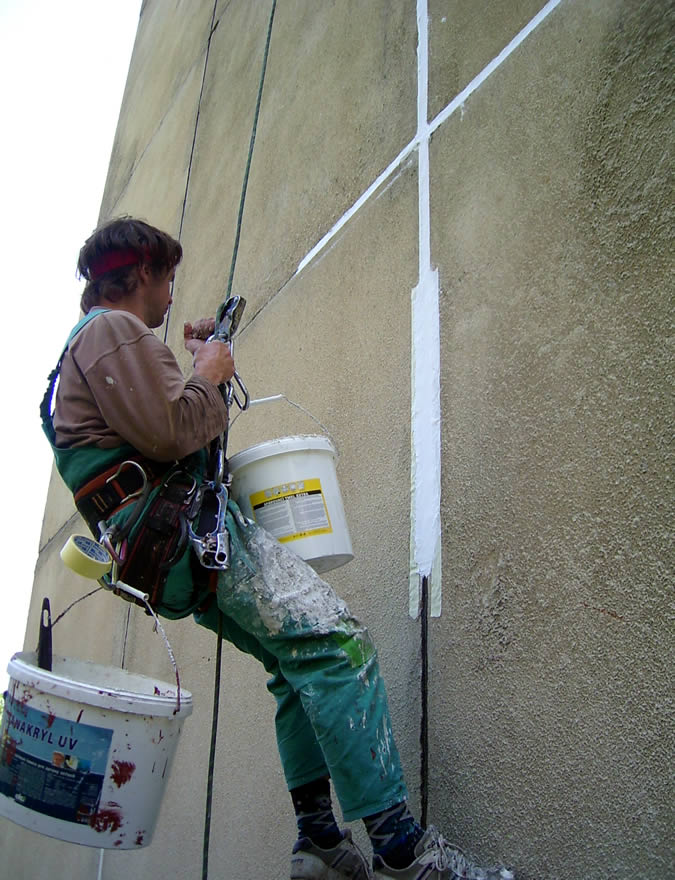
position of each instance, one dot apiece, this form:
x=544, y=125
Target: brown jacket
x=120, y=383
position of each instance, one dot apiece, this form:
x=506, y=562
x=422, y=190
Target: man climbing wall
x=122, y=397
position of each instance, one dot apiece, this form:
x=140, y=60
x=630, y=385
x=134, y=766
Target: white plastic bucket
x=86, y=750
x=289, y=487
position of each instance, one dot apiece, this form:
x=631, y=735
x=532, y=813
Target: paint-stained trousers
x=332, y=716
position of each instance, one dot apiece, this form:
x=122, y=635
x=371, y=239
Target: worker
x=122, y=398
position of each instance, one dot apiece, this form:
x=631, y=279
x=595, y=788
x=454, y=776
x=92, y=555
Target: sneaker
x=310, y=862
x=439, y=860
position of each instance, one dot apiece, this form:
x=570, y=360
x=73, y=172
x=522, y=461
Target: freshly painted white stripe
x=425, y=415
x=496, y=62
x=377, y=183
x=422, y=64
x=425, y=133
x=425, y=488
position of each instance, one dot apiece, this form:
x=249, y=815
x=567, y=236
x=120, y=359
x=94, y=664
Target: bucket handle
x=275, y=397
x=144, y=597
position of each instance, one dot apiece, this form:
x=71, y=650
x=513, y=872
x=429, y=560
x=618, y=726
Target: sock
x=314, y=813
x=394, y=834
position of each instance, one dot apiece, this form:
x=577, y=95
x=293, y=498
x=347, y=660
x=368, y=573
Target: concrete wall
x=549, y=186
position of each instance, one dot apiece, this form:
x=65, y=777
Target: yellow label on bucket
x=292, y=510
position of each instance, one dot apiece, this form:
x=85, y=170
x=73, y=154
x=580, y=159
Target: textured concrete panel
x=550, y=229
x=338, y=105
x=464, y=36
x=169, y=50
x=61, y=507
x=27, y=854
x=155, y=189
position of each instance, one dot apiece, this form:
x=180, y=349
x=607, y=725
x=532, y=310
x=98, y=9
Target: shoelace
x=445, y=856
x=355, y=864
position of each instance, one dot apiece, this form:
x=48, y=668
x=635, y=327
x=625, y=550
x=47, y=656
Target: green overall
x=332, y=716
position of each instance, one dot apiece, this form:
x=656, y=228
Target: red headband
x=113, y=260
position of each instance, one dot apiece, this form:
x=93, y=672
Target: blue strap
x=80, y=324
x=46, y=405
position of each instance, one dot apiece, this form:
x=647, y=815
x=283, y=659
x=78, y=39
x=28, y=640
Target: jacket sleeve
x=141, y=392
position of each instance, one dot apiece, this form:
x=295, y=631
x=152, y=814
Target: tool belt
x=161, y=540
x=160, y=537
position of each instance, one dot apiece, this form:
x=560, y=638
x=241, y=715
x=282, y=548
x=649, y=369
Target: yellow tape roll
x=86, y=557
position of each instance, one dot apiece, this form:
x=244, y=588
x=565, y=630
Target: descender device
x=208, y=531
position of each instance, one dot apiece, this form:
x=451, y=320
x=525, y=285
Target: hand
x=195, y=335
x=213, y=360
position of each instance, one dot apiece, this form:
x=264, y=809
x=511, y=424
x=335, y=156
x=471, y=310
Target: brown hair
x=111, y=255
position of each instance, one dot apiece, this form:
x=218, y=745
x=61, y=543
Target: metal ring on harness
x=116, y=533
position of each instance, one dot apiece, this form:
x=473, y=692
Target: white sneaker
x=345, y=860
x=436, y=859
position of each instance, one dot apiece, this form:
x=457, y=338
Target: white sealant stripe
x=429, y=129
x=422, y=138
x=425, y=525
x=358, y=204
x=425, y=486
x=496, y=62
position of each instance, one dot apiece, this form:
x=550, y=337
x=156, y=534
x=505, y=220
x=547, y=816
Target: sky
x=63, y=68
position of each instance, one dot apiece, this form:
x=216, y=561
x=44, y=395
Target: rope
x=199, y=107
x=299, y=406
x=250, y=151
x=219, y=649
x=212, y=752
x=73, y=604
x=212, y=29
x=159, y=628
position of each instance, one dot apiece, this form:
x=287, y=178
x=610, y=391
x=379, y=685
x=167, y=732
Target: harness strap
x=47, y=400
x=103, y=496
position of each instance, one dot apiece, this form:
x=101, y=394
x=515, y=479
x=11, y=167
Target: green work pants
x=332, y=716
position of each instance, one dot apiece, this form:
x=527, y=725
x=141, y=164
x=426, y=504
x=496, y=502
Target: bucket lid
x=107, y=687
x=283, y=445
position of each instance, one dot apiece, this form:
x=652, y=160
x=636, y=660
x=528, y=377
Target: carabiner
x=144, y=477
x=232, y=394
x=115, y=533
